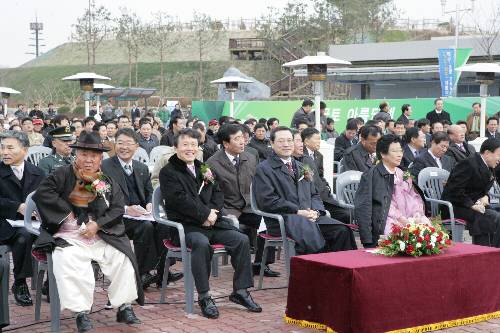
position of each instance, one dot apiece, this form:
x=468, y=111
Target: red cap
x=37, y=121
x=213, y=122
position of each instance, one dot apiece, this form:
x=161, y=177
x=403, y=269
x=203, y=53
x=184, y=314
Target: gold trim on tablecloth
x=417, y=329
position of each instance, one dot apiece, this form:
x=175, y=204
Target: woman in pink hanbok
x=407, y=204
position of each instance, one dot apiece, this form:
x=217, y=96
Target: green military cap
x=65, y=133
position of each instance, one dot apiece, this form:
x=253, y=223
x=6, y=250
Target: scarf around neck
x=80, y=196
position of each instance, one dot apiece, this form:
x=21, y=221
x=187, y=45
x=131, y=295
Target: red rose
x=409, y=248
x=439, y=238
x=433, y=230
x=428, y=246
x=407, y=237
x=427, y=237
x=420, y=239
x=440, y=246
x=448, y=242
x=416, y=232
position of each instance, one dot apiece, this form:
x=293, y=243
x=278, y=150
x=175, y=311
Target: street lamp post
x=457, y=12
x=87, y=85
x=98, y=90
x=5, y=93
x=317, y=71
x=485, y=75
x=231, y=84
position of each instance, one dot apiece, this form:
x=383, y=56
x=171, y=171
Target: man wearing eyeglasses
x=285, y=186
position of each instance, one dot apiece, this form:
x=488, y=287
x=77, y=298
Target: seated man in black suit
x=415, y=142
x=492, y=128
x=459, y=148
x=435, y=156
x=284, y=186
x=234, y=169
x=467, y=189
x=309, y=143
x=346, y=139
x=134, y=181
x=18, y=178
x=362, y=156
x=192, y=197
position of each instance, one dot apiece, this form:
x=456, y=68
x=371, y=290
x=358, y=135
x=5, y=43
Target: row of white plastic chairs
x=36, y=153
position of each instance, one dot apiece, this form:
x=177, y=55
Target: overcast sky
x=59, y=15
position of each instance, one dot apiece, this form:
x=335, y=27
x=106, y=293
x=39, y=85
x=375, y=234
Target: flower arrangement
x=306, y=173
x=208, y=176
x=414, y=240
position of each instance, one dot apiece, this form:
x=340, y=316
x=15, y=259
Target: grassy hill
x=43, y=83
x=111, y=52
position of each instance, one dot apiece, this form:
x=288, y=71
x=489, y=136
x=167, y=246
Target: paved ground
x=171, y=317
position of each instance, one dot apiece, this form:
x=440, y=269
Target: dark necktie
x=290, y=168
x=128, y=169
x=236, y=162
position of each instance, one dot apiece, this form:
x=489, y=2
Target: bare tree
x=159, y=37
x=92, y=28
x=128, y=33
x=206, y=31
x=487, y=23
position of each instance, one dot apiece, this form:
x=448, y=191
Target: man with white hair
x=459, y=149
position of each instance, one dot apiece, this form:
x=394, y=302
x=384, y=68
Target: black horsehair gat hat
x=89, y=141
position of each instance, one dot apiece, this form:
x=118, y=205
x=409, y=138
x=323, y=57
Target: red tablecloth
x=357, y=291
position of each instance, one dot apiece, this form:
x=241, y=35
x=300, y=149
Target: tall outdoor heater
x=317, y=68
x=231, y=84
x=87, y=85
x=485, y=75
x=98, y=90
x=6, y=92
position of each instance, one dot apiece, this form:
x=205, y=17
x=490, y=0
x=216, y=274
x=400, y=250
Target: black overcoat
x=278, y=192
x=13, y=193
x=469, y=181
x=183, y=203
x=53, y=204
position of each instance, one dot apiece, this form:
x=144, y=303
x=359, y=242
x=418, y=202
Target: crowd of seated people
x=282, y=165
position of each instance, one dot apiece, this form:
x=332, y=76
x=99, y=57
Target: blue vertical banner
x=447, y=74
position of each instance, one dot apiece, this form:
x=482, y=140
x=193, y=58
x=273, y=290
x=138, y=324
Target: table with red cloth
x=358, y=291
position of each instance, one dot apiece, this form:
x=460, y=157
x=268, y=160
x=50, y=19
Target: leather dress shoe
x=172, y=277
x=147, y=279
x=208, y=308
x=127, y=316
x=22, y=294
x=268, y=272
x=83, y=323
x=246, y=301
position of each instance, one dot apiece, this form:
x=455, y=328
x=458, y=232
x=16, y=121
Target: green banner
x=461, y=59
x=341, y=110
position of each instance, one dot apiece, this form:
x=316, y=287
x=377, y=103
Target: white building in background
x=407, y=69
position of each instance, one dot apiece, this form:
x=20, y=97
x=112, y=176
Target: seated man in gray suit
x=234, y=169
x=435, y=156
x=361, y=157
x=134, y=181
x=459, y=148
x=285, y=187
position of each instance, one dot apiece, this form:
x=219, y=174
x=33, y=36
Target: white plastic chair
x=183, y=252
x=431, y=181
x=157, y=152
x=36, y=153
x=288, y=244
x=141, y=155
x=346, y=187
